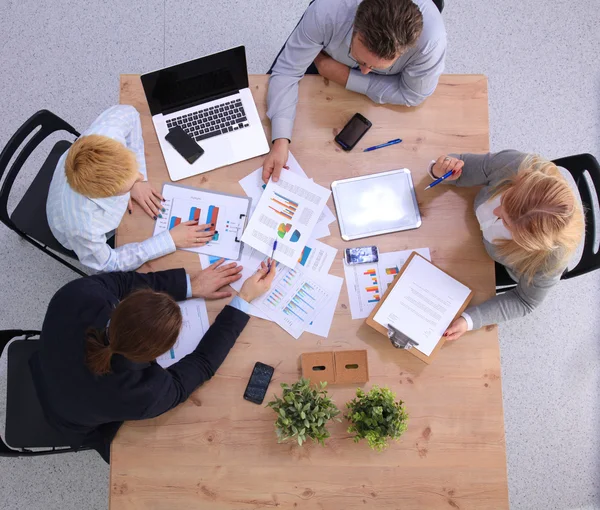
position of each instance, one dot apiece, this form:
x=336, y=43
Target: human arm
x=417, y=80
x=478, y=169
x=185, y=376
x=300, y=50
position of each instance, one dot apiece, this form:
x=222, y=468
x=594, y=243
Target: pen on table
x=273, y=253
x=386, y=144
x=437, y=181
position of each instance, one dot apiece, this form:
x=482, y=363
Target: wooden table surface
x=217, y=451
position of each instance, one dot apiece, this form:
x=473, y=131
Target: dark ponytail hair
x=143, y=326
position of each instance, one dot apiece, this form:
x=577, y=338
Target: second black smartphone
x=258, y=383
x=184, y=144
x=356, y=128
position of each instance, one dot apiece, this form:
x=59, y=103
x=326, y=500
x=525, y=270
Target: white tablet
x=376, y=204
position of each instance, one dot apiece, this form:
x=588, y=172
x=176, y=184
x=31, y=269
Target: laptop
x=210, y=99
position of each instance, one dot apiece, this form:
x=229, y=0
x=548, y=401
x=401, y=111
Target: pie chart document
x=287, y=212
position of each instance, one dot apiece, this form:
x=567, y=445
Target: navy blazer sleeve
x=172, y=281
x=182, y=378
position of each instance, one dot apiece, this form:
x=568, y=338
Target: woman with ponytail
x=102, y=334
x=532, y=223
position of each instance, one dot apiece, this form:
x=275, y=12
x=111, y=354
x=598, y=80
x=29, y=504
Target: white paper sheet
x=254, y=186
x=183, y=204
x=287, y=212
x=195, y=325
x=322, y=322
x=366, y=283
x=315, y=256
x=296, y=298
x=422, y=304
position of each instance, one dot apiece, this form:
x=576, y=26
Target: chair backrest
x=45, y=123
x=26, y=426
x=578, y=166
x=439, y=4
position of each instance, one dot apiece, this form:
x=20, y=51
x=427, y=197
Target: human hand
x=150, y=199
x=276, y=160
x=191, y=235
x=457, y=329
x=208, y=282
x=444, y=164
x=260, y=282
x=332, y=69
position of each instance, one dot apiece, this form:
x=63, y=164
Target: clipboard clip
x=400, y=340
x=245, y=217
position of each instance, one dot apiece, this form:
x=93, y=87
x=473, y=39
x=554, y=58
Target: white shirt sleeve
x=467, y=317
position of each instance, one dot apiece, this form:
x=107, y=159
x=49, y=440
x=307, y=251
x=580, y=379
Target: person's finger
x=157, y=194
x=204, y=226
x=267, y=170
x=152, y=206
x=445, y=165
x=271, y=274
x=231, y=271
x=189, y=223
x=231, y=279
x=219, y=295
x=276, y=171
x=147, y=210
x=205, y=236
x=231, y=265
x=216, y=264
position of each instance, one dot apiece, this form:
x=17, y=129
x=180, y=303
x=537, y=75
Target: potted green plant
x=376, y=416
x=303, y=412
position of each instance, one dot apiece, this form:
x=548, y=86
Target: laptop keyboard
x=213, y=121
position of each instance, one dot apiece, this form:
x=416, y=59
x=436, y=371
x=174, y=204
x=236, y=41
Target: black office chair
x=590, y=259
x=26, y=425
x=439, y=4
x=29, y=218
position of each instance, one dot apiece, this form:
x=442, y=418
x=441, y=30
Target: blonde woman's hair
x=545, y=217
x=98, y=166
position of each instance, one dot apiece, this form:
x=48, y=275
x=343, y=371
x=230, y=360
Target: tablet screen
x=376, y=204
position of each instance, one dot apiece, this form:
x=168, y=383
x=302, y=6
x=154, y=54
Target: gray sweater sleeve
x=487, y=169
x=300, y=50
x=515, y=303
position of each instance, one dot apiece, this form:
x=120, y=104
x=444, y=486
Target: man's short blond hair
x=98, y=166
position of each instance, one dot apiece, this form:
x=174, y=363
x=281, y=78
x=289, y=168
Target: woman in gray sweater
x=531, y=220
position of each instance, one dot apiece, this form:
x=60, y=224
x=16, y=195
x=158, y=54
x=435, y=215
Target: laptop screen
x=196, y=82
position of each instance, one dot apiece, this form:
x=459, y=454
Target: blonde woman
x=531, y=221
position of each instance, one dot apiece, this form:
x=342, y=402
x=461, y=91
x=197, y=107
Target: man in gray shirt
x=390, y=50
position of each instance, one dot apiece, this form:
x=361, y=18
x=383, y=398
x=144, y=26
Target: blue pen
x=386, y=144
x=273, y=253
x=437, y=181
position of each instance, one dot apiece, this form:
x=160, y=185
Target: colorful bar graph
x=374, y=299
x=391, y=270
x=371, y=272
x=375, y=288
x=174, y=222
x=284, y=206
x=213, y=215
x=194, y=214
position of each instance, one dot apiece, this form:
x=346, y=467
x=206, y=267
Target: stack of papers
x=292, y=211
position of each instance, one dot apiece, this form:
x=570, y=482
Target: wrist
x=281, y=142
x=245, y=296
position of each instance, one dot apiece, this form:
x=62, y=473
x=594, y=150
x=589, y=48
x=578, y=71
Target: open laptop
x=210, y=99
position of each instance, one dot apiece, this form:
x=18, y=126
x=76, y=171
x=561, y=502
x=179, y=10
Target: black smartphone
x=356, y=128
x=363, y=255
x=184, y=144
x=258, y=383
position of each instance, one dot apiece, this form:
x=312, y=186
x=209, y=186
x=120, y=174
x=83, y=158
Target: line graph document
x=288, y=211
x=195, y=325
x=422, y=304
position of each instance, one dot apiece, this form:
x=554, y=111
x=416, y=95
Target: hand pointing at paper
x=457, y=329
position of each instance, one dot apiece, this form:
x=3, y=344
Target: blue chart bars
x=303, y=303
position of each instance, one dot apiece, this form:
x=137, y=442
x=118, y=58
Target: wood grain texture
x=217, y=451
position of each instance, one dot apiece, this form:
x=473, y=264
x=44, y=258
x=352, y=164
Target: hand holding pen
x=446, y=167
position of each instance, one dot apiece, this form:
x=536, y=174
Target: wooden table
x=217, y=451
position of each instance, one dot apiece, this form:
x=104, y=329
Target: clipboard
x=384, y=331
x=229, y=213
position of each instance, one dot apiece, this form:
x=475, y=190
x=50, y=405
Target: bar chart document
x=422, y=303
x=195, y=325
x=228, y=214
x=366, y=283
x=287, y=212
x=297, y=297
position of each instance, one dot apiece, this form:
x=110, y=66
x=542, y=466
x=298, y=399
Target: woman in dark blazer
x=100, y=338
